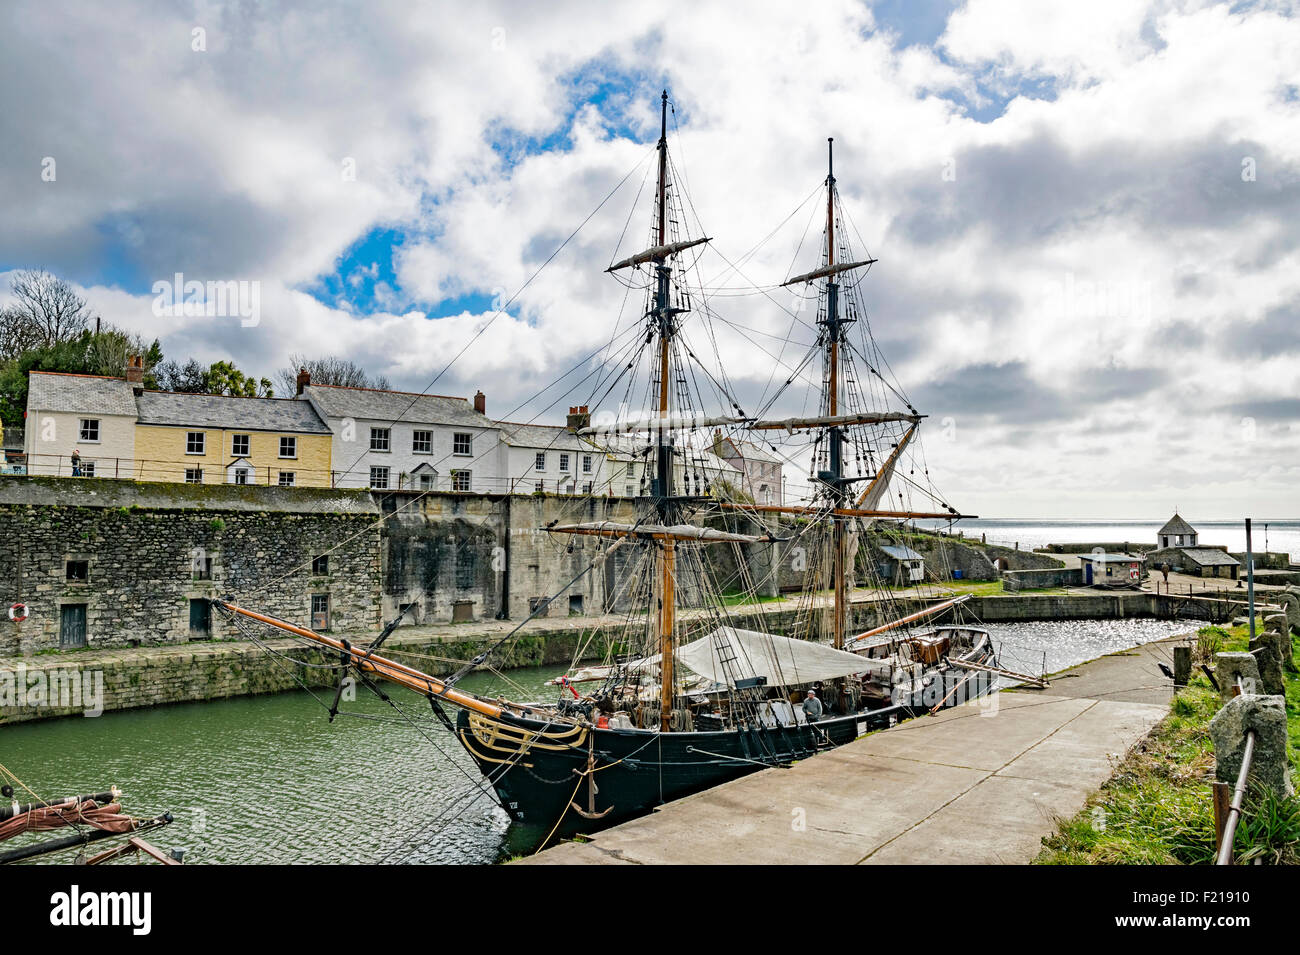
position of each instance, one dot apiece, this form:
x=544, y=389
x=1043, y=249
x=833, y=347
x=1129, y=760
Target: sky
x=1085, y=215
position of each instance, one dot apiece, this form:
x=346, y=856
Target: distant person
x=812, y=707
x=76, y=462
x=1164, y=569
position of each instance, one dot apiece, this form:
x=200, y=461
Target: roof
x=1176, y=525
x=405, y=406
x=1113, y=558
x=47, y=391
x=899, y=552
x=1206, y=556
x=543, y=437
x=234, y=414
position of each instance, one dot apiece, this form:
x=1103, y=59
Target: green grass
x=735, y=599
x=1157, y=808
x=976, y=588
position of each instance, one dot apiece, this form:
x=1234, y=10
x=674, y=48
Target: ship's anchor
x=590, y=772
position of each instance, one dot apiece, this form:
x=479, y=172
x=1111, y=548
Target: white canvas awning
x=783, y=660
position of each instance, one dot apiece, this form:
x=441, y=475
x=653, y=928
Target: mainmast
x=834, y=478
x=667, y=549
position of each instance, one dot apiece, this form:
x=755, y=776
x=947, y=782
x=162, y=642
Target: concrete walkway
x=981, y=783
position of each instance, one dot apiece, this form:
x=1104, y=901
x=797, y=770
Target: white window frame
x=387, y=475
x=465, y=439
x=87, y=468
x=586, y=464
x=382, y=436
x=415, y=442
x=202, y=443
x=234, y=445
x=564, y=462
x=292, y=479
x=293, y=444
x=460, y=477
x=539, y=462
x=85, y=426
x=194, y=475
x=240, y=473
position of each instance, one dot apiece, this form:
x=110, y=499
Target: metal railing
x=1227, y=829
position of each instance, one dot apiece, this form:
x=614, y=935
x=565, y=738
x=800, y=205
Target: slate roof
x=543, y=437
x=1209, y=556
x=86, y=394
x=1176, y=525
x=405, y=406
x=899, y=552
x=1114, y=558
x=750, y=451
x=234, y=414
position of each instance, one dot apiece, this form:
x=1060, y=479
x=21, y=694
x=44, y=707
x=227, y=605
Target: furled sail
x=875, y=491
x=729, y=654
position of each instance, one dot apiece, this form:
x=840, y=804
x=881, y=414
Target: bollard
x=1281, y=624
x=1265, y=650
x=1182, y=664
x=1231, y=667
x=1266, y=716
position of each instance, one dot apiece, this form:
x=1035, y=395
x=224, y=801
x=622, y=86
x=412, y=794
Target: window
x=586, y=487
x=426, y=481
x=462, y=442
x=87, y=468
x=629, y=490
x=421, y=442
x=288, y=447
x=586, y=464
x=201, y=567
x=539, y=487
x=460, y=480
x=575, y=604
x=241, y=476
x=539, y=462
x=77, y=571
x=286, y=479
x=195, y=442
x=379, y=478
x=379, y=439
x=320, y=565
x=194, y=475
x=564, y=463
x=239, y=445
x=89, y=429
x=320, y=611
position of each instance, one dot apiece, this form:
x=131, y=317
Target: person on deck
x=76, y=462
x=812, y=707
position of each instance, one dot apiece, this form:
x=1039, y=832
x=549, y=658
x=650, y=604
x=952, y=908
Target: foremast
x=834, y=478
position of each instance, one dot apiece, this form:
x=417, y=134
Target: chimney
x=304, y=379
x=579, y=418
x=135, y=373
x=480, y=403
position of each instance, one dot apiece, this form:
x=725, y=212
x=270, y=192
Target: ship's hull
x=544, y=778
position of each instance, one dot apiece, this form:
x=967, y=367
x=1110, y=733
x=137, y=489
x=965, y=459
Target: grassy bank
x=1157, y=808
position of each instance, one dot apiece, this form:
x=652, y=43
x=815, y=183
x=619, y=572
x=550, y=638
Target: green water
x=267, y=779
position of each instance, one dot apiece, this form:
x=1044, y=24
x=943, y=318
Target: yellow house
x=215, y=439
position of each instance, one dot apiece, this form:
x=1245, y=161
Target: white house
x=401, y=440
x=90, y=415
x=760, y=468
x=1176, y=533
x=542, y=457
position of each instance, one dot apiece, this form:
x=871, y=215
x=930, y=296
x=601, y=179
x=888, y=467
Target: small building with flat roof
x=1112, y=569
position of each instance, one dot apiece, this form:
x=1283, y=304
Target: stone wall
x=1013, y=580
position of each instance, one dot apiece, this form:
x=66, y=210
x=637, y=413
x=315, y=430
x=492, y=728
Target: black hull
x=635, y=770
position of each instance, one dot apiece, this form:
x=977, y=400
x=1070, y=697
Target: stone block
x=1266, y=716
x=1230, y=667
x=1264, y=648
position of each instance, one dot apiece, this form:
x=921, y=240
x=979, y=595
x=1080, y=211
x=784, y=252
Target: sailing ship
x=685, y=699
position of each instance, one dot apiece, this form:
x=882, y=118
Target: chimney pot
x=480, y=402
x=578, y=418
x=304, y=379
x=135, y=372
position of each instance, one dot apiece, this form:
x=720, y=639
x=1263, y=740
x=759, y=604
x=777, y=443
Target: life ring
x=18, y=612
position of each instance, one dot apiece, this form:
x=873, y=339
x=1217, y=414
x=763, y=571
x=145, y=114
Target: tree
x=191, y=378
x=330, y=370
x=225, y=379
x=45, y=312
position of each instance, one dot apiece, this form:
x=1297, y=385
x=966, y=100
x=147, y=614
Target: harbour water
x=1279, y=535
x=267, y=779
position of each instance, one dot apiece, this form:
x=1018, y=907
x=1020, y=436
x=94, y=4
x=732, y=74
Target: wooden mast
x=667, y=553
x=837, y=471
